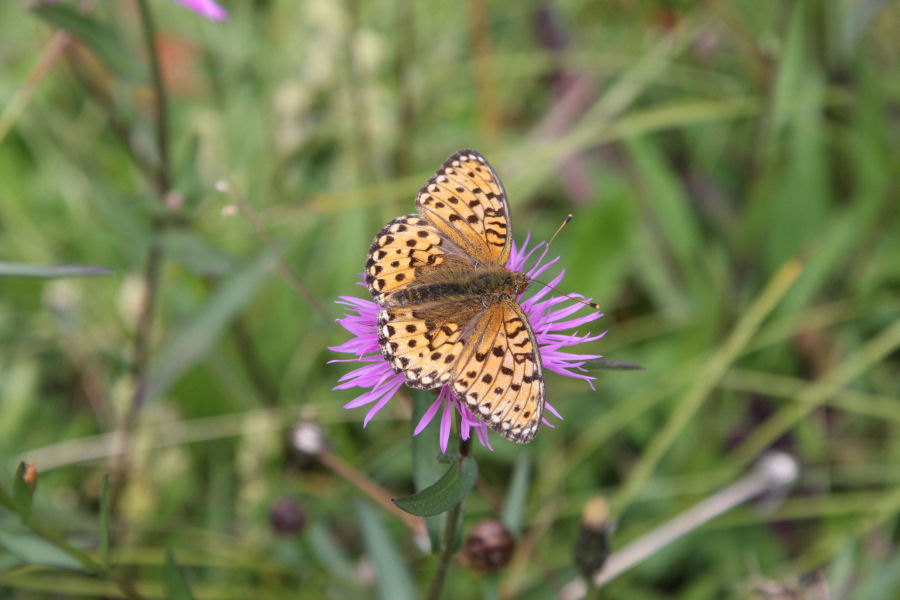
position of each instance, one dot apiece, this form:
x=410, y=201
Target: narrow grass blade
x=33, y=550
x=9, y=269
x=190, y=342
x=816, y=393
x=393, y=579
x=23, y=493
x=329, y=553
x=710, y=374
x=104, y=521
x=605, y=364
x=99, y=37
x=177, y=587
x=517, y=496
x=6, y=500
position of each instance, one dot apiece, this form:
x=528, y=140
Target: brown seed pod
x=489, y=546
x=592, y=547
x=287, y=517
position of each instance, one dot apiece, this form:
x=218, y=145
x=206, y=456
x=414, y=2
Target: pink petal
x=206, y=8
x=550, y=408
x=380, y=404
x=428, y=416
x=445, y=427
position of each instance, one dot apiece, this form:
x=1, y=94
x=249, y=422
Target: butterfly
x=449, y=311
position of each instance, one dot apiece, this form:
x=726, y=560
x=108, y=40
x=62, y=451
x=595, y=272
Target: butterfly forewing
x=466, y=202
x=405, y=244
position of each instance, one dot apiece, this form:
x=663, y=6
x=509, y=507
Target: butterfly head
x=517, y=283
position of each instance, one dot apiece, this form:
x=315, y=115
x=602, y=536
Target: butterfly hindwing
x=500, y=378
x=426, y=343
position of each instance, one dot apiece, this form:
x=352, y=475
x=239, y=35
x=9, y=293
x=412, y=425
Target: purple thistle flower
x=549, y=318
x=205, y=8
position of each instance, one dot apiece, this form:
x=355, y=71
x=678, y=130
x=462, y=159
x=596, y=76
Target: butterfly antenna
x=547, y=245
x=564, y=223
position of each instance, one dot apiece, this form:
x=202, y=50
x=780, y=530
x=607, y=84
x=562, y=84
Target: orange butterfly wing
x=500, y=377
x=466, y=202
x=407, y=251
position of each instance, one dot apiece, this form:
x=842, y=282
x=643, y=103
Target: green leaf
x=9, y=269
x=176, y=585
x=23, y=493
x=425, y=449
x=450, y=489
x=517, y=496
x=196, y=254
x=199, y=332
x=393, y=579
x=882, y=582
x=793, y=67
x=6, y=500
x=104, y=521
x=34, y=550
x=666, y=200
x=328, y=551
x=604, y=364
x=102, y=39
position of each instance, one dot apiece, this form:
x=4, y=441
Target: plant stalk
x=160, y=97
x=437, y=584
x=153, y=264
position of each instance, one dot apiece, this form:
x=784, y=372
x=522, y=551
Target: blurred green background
x=710, y=152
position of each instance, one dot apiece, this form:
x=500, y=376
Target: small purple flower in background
x=549, y=318
x=206, y=8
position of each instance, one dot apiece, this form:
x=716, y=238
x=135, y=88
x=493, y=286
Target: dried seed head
x=592, y=546
x=489, y=546
x=595, y=514
x=308, y=438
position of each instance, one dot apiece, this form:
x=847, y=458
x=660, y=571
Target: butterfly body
x=486, y=285
x=450, y=314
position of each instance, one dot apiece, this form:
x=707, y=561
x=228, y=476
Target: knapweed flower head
x=551, y=318
x=205, y=8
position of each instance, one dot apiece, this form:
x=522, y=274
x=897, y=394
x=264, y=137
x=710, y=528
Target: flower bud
x=489, y=546
x=30, y=477
x=308, y=438
x=592, y=546
x=287, y=517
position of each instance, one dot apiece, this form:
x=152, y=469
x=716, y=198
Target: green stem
x=161, y=98
x=153, y=264
x=437, y=584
